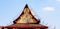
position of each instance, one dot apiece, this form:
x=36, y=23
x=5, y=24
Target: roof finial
x=26, y=6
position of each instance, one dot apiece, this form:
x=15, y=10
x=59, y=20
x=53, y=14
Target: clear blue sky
x=47, y=10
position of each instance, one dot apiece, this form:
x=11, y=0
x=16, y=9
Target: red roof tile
x=26, y=26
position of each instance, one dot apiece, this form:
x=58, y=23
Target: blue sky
x=48, y=11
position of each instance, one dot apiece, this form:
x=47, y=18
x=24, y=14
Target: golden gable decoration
x=26, y=16
x=26, y=20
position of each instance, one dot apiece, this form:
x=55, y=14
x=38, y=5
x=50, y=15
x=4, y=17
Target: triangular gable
x=26, y=16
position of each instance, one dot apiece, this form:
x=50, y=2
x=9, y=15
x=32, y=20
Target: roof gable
x=26, y=16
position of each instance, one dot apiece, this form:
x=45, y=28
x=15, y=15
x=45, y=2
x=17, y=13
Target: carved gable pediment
x=26, y=16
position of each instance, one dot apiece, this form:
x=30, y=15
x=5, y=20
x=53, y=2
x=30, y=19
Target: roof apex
x=26, y=6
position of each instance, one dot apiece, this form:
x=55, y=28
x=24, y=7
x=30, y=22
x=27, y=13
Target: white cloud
x=58, y=0
x=48, y=8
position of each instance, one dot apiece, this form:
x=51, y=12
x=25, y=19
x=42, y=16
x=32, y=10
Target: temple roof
x=26, y=26
x=1, y=26
x=26, y=20
x=26, y=16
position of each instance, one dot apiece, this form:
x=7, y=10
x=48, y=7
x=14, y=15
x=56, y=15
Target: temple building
x=1, y=27
x=26, y=20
